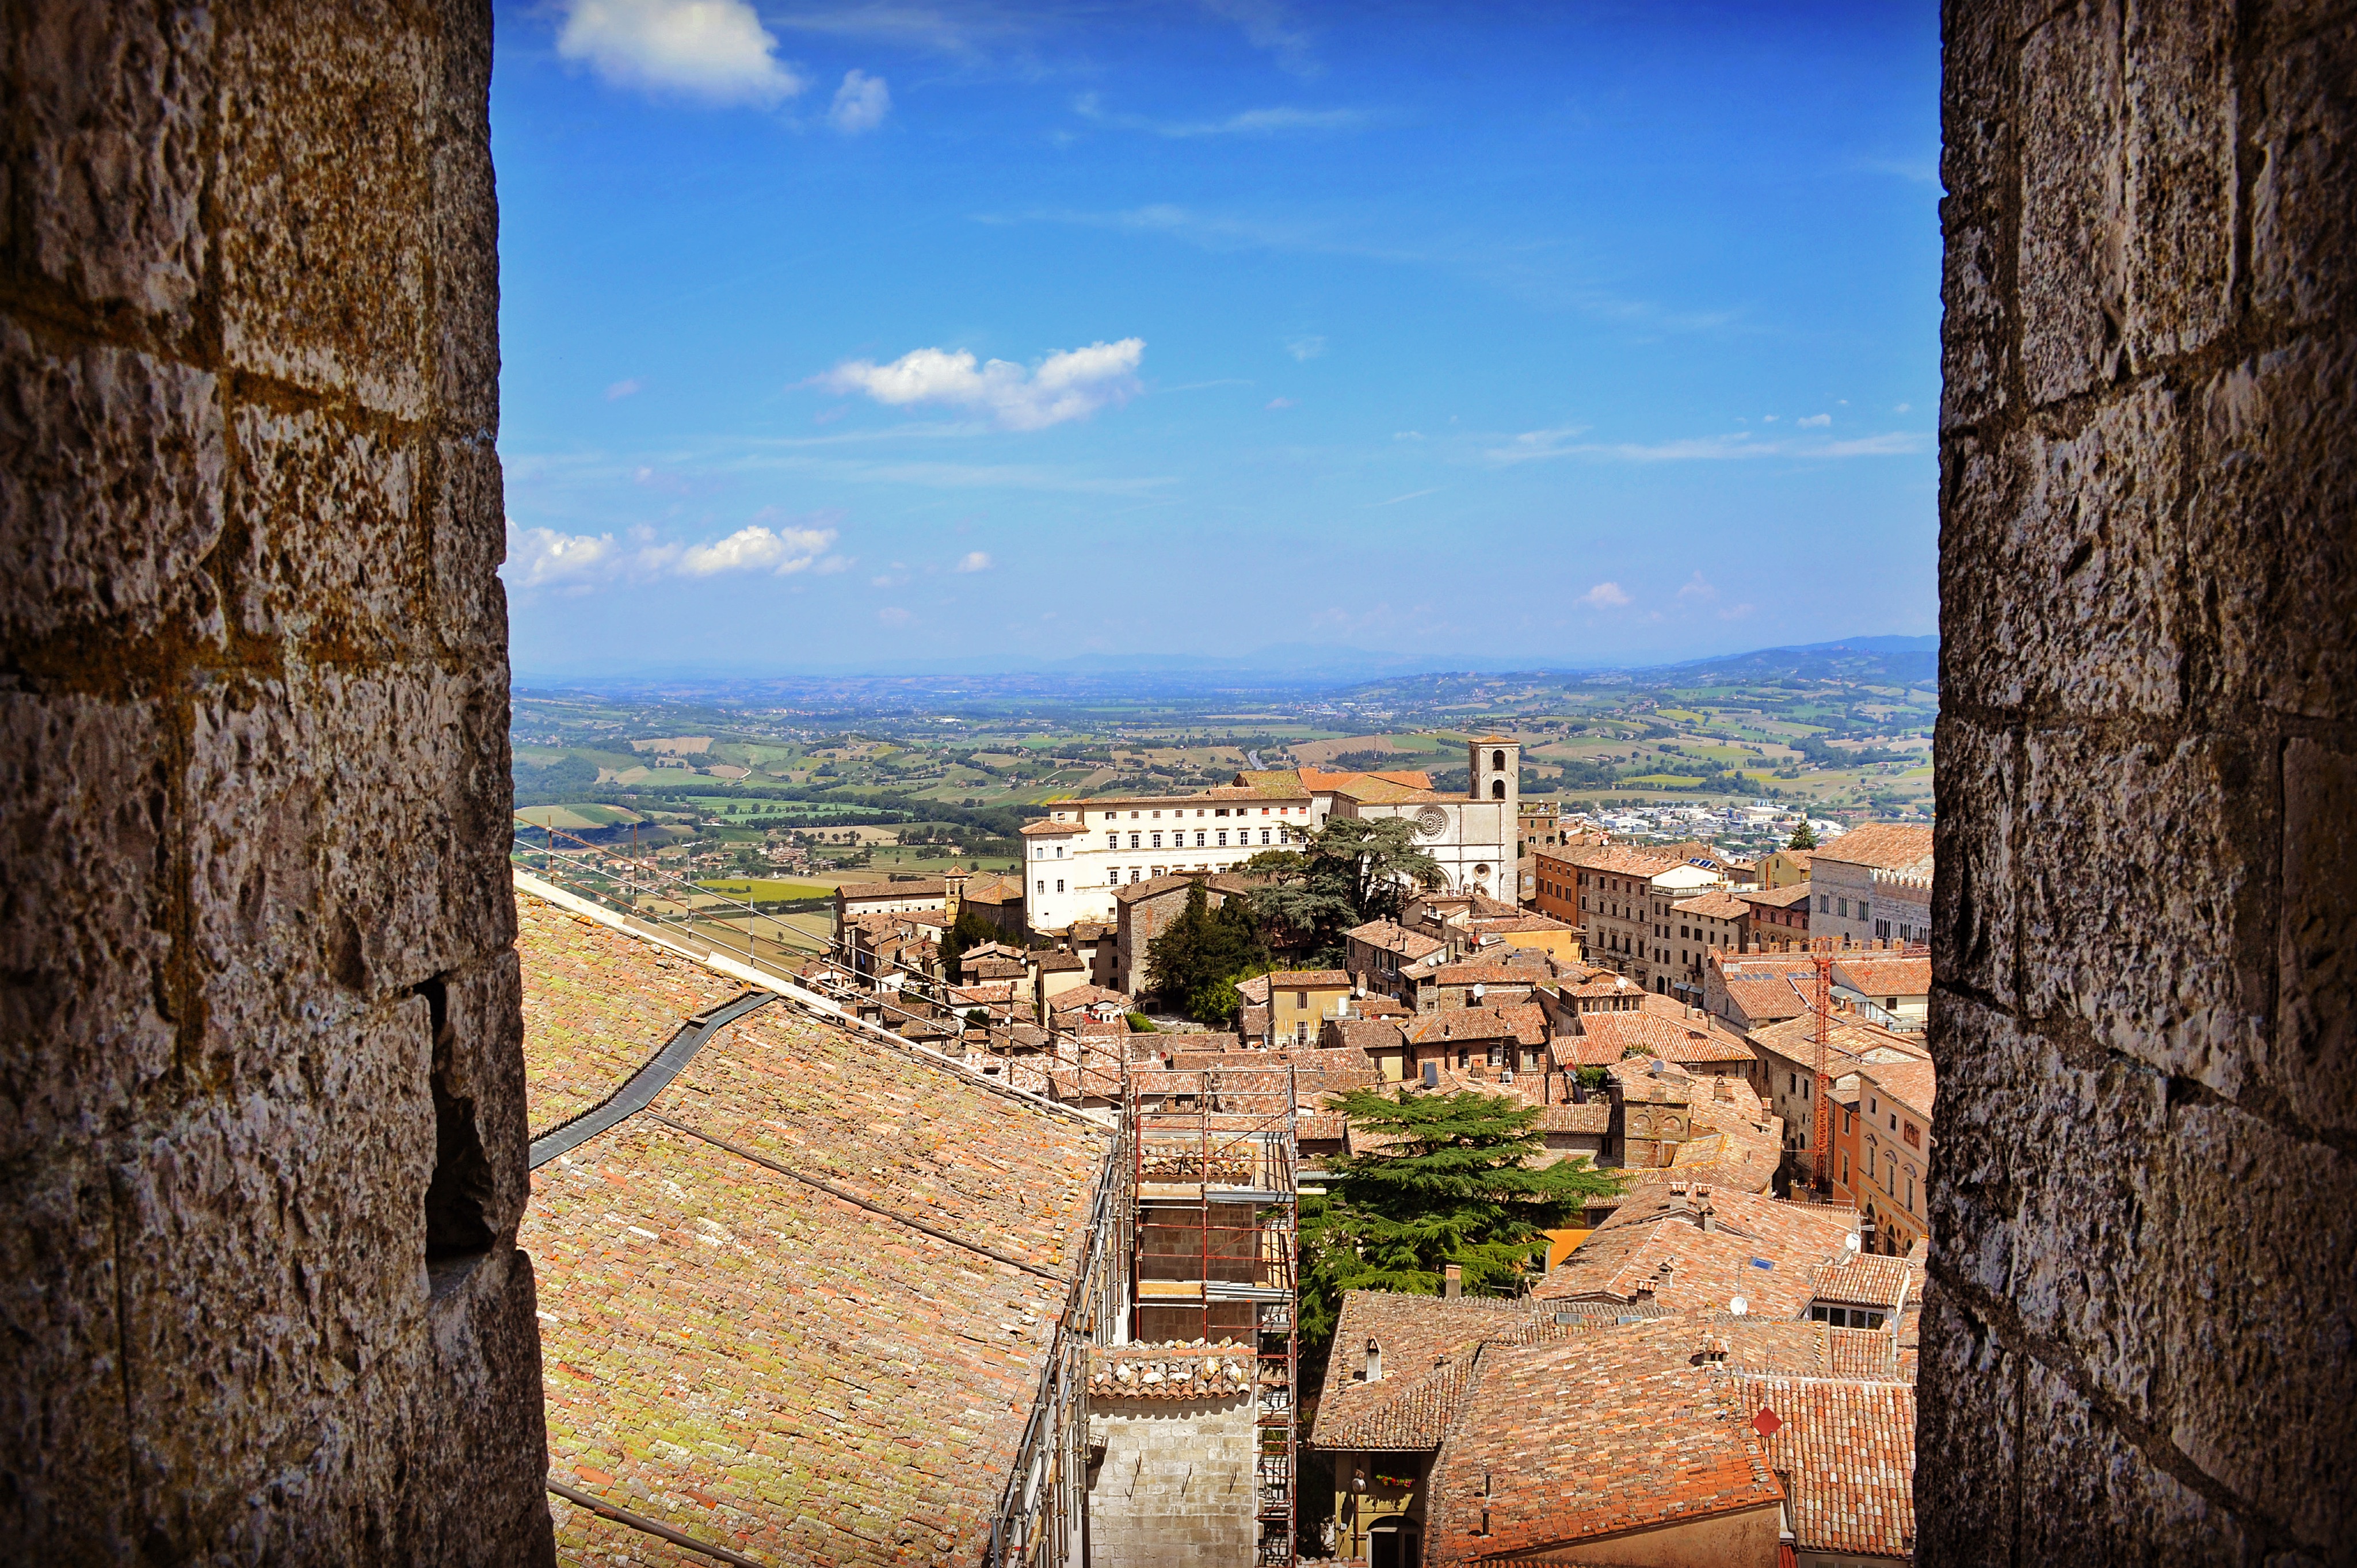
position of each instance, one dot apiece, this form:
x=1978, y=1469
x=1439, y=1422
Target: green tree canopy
x=1350, y=871
x=1195, y=962
x=1454, y=1184
x=971, y=930
x=1803, y=836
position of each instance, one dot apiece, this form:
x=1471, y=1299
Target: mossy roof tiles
x=596, y=1005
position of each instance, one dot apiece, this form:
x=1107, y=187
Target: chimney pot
x=1452, y=1282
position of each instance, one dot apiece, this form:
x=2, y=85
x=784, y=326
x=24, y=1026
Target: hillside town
x=1720, y=1056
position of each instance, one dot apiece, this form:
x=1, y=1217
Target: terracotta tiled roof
x=994, y=887
x=1377, y=790
x=1154, y=886
x=992, y=968
x=1080, y=996
x=1595, y=1116
x=1766, y=998
x=1047, y=827
x=1488, y=972
x=1254, y=990
x=1392, y=938
x=597, y=1006
x=1524, y=1022
x=1425, y=1342
x=1359, y=1035
x=1884, y=974
x=1867, y=1280
x=1060, y=962
x=920, y=887
x=1596, y=1434
x=1912, y=1084
x=1892, y=846
x=1654, y=1248
x=1853, y=1043
x=1776, y=897
x=1617, y=860
x=1305, y=979
x=1848, y=1452
x=1696, y=1039
x=1714, y=904
x=1505, y=925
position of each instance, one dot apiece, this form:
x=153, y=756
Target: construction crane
x=1821, y=1152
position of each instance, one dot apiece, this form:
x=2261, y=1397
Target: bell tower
x=1494, y=771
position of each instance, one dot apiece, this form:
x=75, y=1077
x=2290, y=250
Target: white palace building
x=1083, y=850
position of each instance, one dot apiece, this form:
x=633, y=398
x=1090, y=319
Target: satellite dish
x=1738, y=1306
x=1849, y=1243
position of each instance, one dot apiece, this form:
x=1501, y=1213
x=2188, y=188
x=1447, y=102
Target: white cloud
x=1407, y=434
x=860, y=104
x=1069, y=385
x=892, y=615
x=1268, y=122
x=1901, y=408
x=1306, y=346
x=541, y=556
x=1280, y=402
x=974, y=561
x=1605, y=596
x=713, y=49
x=621, y=390
x=757, y=548
x=1818, y=421
x=1697, y=590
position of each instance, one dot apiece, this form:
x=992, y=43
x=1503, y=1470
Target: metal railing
x=1042, y=1513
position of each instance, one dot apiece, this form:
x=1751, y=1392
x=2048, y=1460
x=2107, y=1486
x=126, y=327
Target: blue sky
x=889, y=333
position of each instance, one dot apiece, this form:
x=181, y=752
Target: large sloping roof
x=1424, y=1340
x=1654, y=1248
x=1597, y=1434
x=1888, y=846
x=1847, y=1450
x=796, y=1371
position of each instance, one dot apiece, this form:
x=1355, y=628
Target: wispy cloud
x=715, y=50
x=1069, y=384
x=1605, y=596
x=620, y=390
x=1412, y=495
x=1814, y=421
x=1305, y=348
x=974, y=561
x=1269, y=25
x=1739, y=445
x=1280, y=402
x=860, y=104
x=1271, y=121
x=1534, y=445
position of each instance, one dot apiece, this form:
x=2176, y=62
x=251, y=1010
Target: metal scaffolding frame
x=1216, y=1235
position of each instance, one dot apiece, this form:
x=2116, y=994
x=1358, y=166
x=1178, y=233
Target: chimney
x=1374, y=1360
x=1452, y=1282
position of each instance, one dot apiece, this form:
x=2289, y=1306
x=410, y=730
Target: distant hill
x=1869, y=661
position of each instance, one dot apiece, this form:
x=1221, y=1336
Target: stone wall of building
x=261, y=1107
x=1176, y=1486
x=2138, y=1344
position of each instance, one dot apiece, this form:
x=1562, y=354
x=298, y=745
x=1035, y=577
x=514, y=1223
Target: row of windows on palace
x=1803, y=1086
x=1827, y=903
x=1205, y=838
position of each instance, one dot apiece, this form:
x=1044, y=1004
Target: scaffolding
x=1216, y=1239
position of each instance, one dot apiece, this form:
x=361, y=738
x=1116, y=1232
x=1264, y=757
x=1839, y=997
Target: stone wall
x=2140, y=1342
x=1176, y=1486
x=262, y=1141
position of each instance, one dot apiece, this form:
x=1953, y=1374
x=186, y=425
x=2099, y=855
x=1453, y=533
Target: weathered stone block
x=331, y=539
x=2305, y=124
x=2073, y=266
x=1978, y=122
x=326, y=128
x=2178, y=175
x=104, y=156
x=2316, y=1029
x=87, y=798
x=1966, y=1414
x=464, y=276
x=2147, y=894
x=110, y=492
x=1974, y=944
x=2069, y=600
x=2270, y=536
x=469, y=541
